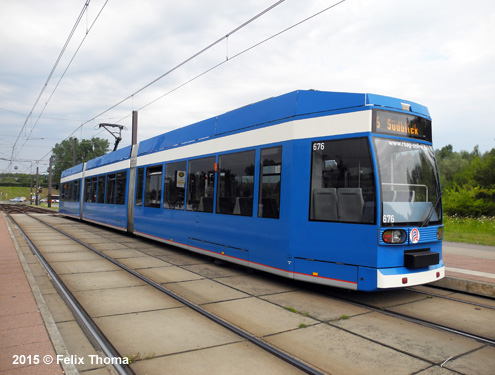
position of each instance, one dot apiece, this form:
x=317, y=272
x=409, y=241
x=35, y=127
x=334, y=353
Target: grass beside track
x=480, y=231
x=12, y=192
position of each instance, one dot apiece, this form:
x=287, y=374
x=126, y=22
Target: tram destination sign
x=401, y=124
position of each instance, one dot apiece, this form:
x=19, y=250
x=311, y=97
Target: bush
x=469, y=201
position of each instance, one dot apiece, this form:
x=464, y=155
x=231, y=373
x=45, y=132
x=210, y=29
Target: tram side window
x=75, y=191
x=201, y=184
x=270, y=181
x=175, y=185
x=120, y=187
x=110, y=197
x=101, y=189
x=153, y=186
x=139, y=187
x=64, y=193
x=71, y=193
x=94, y=184
x=342, y=182
x=90, y=189
x=235, y=187
x=87, y=189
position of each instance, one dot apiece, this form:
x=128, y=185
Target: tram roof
x=73, y=170
x=293, y=105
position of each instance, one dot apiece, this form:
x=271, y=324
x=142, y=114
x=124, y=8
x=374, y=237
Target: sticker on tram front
x=414, y=235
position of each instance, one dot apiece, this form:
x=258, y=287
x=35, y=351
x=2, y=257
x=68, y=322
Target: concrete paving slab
x=256, y=285
x=429, y=289
x=213, y=270
x=116, y=236
x=170, y=274
x=144, y=262
x=72, y=256
x=338, y=352
x=58, y=308
x=233, y=359
x=163, y=332
x=383, y=299
x=205, y=291
x=30, y=258
x=137, y=299
x=83, y=266
x=63, y=246
x=152, y=248
x=437, y=370
x=131, y=241
x=472, y=285
x=139, y=244
x=316, y=305
x=119, y=253
x=91, y=240
x=475, y=299
x=112, y=246
x=258, y=317
x=43, y=236
x=76, y=231
x=100, y=371
x=78, y=345
x=99, y=280
x=181, y=259
x=26, y=250
x=37, y=269
x=470, y=318
x=480, y=362
x=44, y=284
x=426, y=343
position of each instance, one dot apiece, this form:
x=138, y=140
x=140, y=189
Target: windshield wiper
x=426, y=221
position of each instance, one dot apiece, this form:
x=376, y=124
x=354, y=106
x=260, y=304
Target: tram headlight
x=440, y=233
x=395, y=236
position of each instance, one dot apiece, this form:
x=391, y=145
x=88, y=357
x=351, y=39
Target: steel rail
x=251, y=338
x=477, y=304
x=411, y=319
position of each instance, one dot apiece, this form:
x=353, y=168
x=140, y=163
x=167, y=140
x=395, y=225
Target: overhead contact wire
x=86, y=4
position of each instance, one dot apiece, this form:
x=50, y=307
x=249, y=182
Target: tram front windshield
x=410, y=192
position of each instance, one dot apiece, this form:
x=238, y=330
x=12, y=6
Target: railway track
x=431, y=323
x=482, y=302
x=106, y=346
x=400, y=305
x=22, y=208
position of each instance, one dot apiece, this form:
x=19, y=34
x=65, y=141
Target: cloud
x=436, y=53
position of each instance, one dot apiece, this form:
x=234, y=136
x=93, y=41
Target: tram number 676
x=318, y=146
x=388, y=218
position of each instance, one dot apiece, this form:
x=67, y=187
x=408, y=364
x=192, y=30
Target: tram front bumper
x=403, y=277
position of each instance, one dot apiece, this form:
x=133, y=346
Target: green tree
x=86, y=149
x=484, y=170
x=468, y=181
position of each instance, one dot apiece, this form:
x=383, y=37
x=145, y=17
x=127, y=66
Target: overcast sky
x=439, y=53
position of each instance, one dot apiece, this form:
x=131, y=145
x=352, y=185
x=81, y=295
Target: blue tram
x=339, y=189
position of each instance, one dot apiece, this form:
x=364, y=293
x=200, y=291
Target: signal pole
x=50, y=183
x=37, y=186
x=74, y=151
